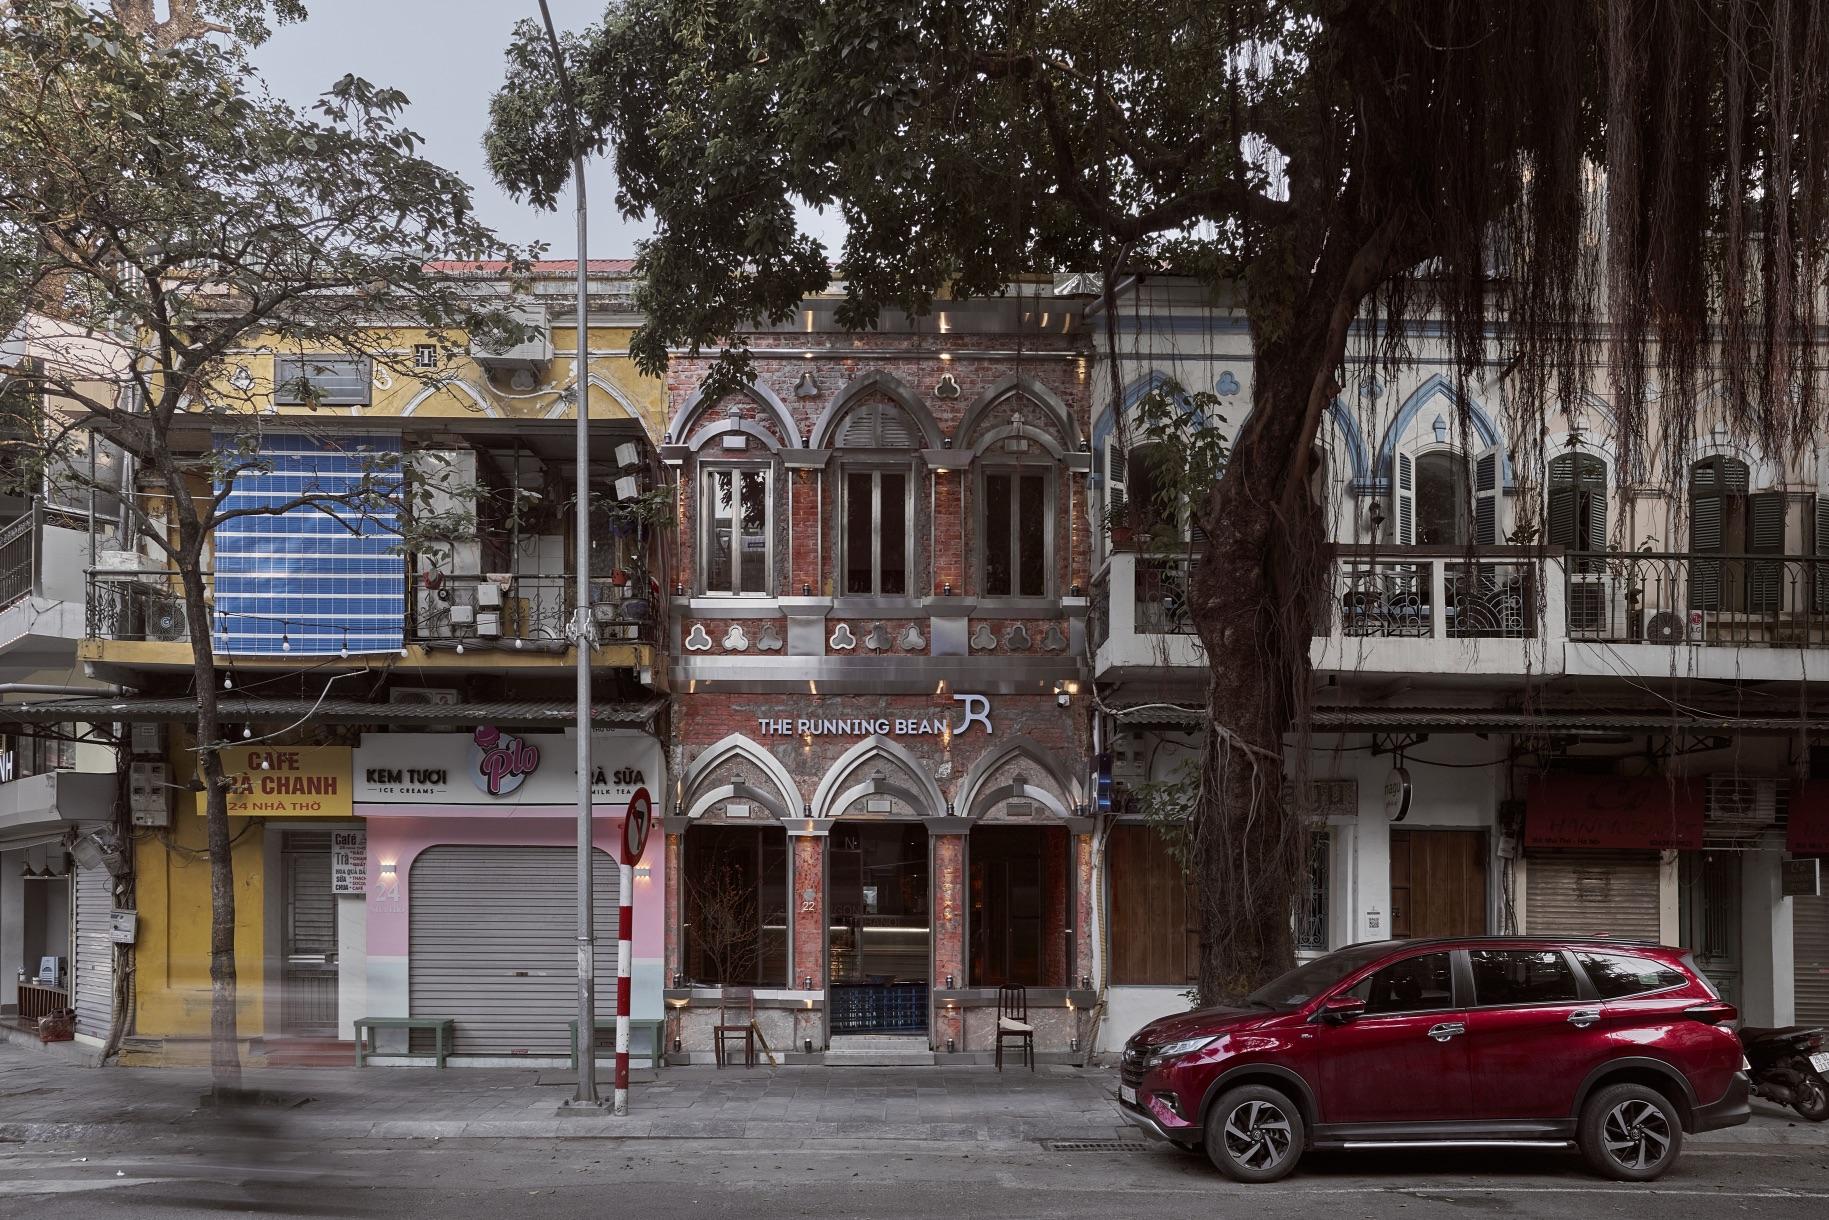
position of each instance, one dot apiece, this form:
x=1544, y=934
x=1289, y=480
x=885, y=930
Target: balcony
x=40, y=590
x=136, y=616
x=1507, y=612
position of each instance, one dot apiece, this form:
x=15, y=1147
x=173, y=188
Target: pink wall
x=397, y=840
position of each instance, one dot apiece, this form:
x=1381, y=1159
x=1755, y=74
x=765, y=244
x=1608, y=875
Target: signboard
x=348, y=861
x=635, y=826
x=974, y=710
x=6, y=766
x=1397, y=794
x=1801, y=878
x=1807, y=828
x=286, y=782
x=492, y=767
x=1607, y=811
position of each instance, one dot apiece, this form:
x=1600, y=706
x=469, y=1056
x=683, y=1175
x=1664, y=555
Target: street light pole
x=583, y=632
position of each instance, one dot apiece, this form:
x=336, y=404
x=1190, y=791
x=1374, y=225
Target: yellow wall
x=461, y=387
x=172, y=956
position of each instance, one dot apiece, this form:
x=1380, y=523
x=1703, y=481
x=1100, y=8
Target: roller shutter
x=1592, y=893
x=92, y=975
x=492, y=936
x=1810, y=958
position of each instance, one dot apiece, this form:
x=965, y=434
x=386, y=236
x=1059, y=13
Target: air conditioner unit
x=532, y=353
x=162, y=616
x=436, y=696
x=1674, y=626
x=1742, y=807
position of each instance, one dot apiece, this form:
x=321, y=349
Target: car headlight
x=1175, y=1050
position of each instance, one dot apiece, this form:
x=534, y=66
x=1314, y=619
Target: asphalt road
x=239, y=1174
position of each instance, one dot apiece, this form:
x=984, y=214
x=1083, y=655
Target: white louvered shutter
x=1405, y=496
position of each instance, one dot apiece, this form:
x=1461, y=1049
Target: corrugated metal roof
x=1495, y=720
x=636, y=713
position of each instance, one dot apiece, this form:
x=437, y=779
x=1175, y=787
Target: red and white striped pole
x=634, y=839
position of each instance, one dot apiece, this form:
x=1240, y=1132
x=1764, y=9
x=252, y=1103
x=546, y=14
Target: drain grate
x=1096, y=1145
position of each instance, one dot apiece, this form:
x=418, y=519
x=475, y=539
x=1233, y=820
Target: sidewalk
x=46, y=1099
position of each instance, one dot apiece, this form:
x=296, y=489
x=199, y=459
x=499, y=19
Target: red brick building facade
x=883, y=756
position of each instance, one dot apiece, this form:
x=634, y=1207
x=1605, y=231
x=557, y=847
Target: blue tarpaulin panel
x=317, y=578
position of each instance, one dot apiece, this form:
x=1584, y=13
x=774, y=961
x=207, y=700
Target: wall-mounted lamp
x=946, y=590
x=949, y=982
x=806, y=984
x=644, y=872
x=950, y=1048
x=808, y=1043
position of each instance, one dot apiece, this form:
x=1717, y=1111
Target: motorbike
x=1789, y=1066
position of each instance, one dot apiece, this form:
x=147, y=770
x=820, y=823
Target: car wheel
x=1254, y=1134
x=1630, y=1133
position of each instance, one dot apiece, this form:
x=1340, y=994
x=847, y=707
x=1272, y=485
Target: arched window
x=876, y=500
x=1726, y=519
x=1575, y=508
x=1444, y=499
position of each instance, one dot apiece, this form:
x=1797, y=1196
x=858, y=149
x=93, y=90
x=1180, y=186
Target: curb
x=775, y=1133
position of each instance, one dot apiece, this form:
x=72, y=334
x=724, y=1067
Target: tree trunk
x=1256, y=593
x=225, y=1046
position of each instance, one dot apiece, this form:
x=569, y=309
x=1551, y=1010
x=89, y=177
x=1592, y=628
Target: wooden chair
x=1013, y=1023
x=742, y=1002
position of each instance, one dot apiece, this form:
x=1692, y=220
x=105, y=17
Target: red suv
x=1618, y=1047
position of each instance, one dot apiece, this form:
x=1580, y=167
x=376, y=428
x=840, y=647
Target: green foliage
x=1177, y=451
x=927, y=125
x=158, y=197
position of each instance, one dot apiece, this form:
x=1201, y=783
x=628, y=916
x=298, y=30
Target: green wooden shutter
x=1820, y=549
x=1486, y=498
x=1406, y=500
x=1765, y=531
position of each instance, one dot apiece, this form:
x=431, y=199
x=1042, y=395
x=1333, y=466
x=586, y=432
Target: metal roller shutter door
x=92, y=976
x=493, y=941
x=1810, y=958
x=1592, y=893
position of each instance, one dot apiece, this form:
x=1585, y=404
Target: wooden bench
x=442, y=1027
x=657, y=1032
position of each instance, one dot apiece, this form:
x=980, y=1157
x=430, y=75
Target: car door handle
x=1446, y=1030
x=1581, y=1018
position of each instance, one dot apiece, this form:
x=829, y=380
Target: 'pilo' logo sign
x=501, y=762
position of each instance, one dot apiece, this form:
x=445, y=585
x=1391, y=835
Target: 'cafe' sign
x=286, y=782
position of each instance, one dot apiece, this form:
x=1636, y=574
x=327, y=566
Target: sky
x=446, y=56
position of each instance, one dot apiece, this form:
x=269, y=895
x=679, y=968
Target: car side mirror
x=1340, y=1009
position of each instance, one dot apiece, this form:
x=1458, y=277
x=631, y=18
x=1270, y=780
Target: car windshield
x=1310, y=979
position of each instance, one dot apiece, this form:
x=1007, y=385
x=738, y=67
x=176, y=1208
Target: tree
x=184, y=218
x=1329, y=160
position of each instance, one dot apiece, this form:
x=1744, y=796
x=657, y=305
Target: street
x=460, y=1179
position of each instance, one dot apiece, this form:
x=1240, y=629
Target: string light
x=247, y=731
x=460, y=649
x=228, y=681
x=285, y=643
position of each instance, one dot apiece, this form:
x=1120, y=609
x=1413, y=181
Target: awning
x=633, y=713
x=1493, y=720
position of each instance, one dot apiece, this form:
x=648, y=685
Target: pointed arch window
x=1444, y=498
x=1575, y=508
x=876, y=500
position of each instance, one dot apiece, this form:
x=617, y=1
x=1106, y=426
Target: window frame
x=1580, y=954
x=1456, y=1001
x=981, y=520
x=702, y=532
x=876, y=470
x=289, y=369
x=1584, y=989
